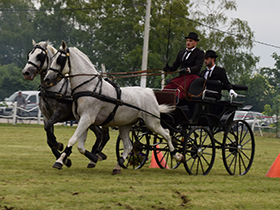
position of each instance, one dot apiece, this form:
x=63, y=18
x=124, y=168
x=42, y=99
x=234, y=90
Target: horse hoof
x=57, y=165
x=68, y=163
x=91, y=165
x=116, y=171
x=183, y=159
x=121, y=161
x=59, y=146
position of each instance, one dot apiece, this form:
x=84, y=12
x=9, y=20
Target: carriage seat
x=166, y=97
x=239, y=87
x=198, y=90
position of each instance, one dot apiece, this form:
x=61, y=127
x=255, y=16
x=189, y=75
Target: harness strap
x=116, y=101
x=112, y=114
x=84, y=83
x=64, y=83
x=109, y=99
x=56, y=95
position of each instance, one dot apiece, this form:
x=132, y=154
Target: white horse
x=85, y=82
x=55, y=102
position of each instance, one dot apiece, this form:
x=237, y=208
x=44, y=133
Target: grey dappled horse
x=55, y=102
x=108, y=100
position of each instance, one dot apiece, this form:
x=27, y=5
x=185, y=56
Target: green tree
x=233, y=44
x=111, y=32
x=273, y=74
x=11, y=80
x=268, y=111
x=119, y=38
x=16, y=30
x=259, y=91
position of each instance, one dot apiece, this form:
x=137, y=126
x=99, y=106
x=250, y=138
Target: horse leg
x=104, y=140
x=51, y=139
x=82, y=150
x=102, y=137
x=80, y=133
x=124, y=133
x=98, y=133
x=155, y=126
x=48, y=125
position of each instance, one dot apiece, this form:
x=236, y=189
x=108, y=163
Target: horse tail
x=163, y=108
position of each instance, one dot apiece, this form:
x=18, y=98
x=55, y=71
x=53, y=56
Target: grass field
x=28, y=181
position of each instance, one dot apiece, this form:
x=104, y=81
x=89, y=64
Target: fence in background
x=22, y=115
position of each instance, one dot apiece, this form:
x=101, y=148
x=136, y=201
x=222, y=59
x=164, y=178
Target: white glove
x=233, y=93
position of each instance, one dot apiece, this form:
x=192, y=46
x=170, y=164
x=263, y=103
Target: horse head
x=38, y=60
x=59, y=66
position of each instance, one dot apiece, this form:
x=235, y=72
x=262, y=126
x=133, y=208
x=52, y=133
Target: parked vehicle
x=32, y=100
x=249, y=117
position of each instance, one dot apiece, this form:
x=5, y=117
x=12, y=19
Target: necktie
x=186, y=55
x=208, y=75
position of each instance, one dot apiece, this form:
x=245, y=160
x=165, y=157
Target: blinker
x=61, y=60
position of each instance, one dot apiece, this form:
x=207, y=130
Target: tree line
x=111, y=32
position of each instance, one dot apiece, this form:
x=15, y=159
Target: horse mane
x=83, y=57
x=52, y=49
x=49, y=46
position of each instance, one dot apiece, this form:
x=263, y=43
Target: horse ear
x=33, y=42
x=63, y=44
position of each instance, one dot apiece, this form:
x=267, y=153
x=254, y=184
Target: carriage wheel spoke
x=200, y=147
x=238, y=153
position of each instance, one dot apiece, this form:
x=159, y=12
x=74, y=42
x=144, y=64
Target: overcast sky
x=264, y=20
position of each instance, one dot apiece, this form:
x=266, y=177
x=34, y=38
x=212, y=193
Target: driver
x=191, y=60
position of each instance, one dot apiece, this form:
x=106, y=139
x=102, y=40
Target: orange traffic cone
x=160, y=157
x=274, y=170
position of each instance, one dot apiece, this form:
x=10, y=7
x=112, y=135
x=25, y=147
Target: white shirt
x=209, y=71
x=187, y=52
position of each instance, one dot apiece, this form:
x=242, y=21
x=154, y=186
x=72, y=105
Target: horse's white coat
x=53, y=110
x=94, y=111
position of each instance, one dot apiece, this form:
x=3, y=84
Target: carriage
x=191, y=130
x=198, y=127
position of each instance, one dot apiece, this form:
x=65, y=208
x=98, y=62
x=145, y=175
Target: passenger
x=191, y=61
x=213, y=72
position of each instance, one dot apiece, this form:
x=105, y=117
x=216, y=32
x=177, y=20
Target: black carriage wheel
x=162, y=154
x=238, y=148
x=199, y=151
x=140, y=152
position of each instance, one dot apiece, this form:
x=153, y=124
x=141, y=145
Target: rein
x=61, y=60
x=120, y=73
x=153, y=74
x=135, y=72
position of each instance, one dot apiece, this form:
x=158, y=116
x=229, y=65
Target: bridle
x=61, y=60
x=42, y=57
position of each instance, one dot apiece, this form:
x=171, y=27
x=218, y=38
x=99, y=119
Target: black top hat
x=193, y=36
x=211, y=54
